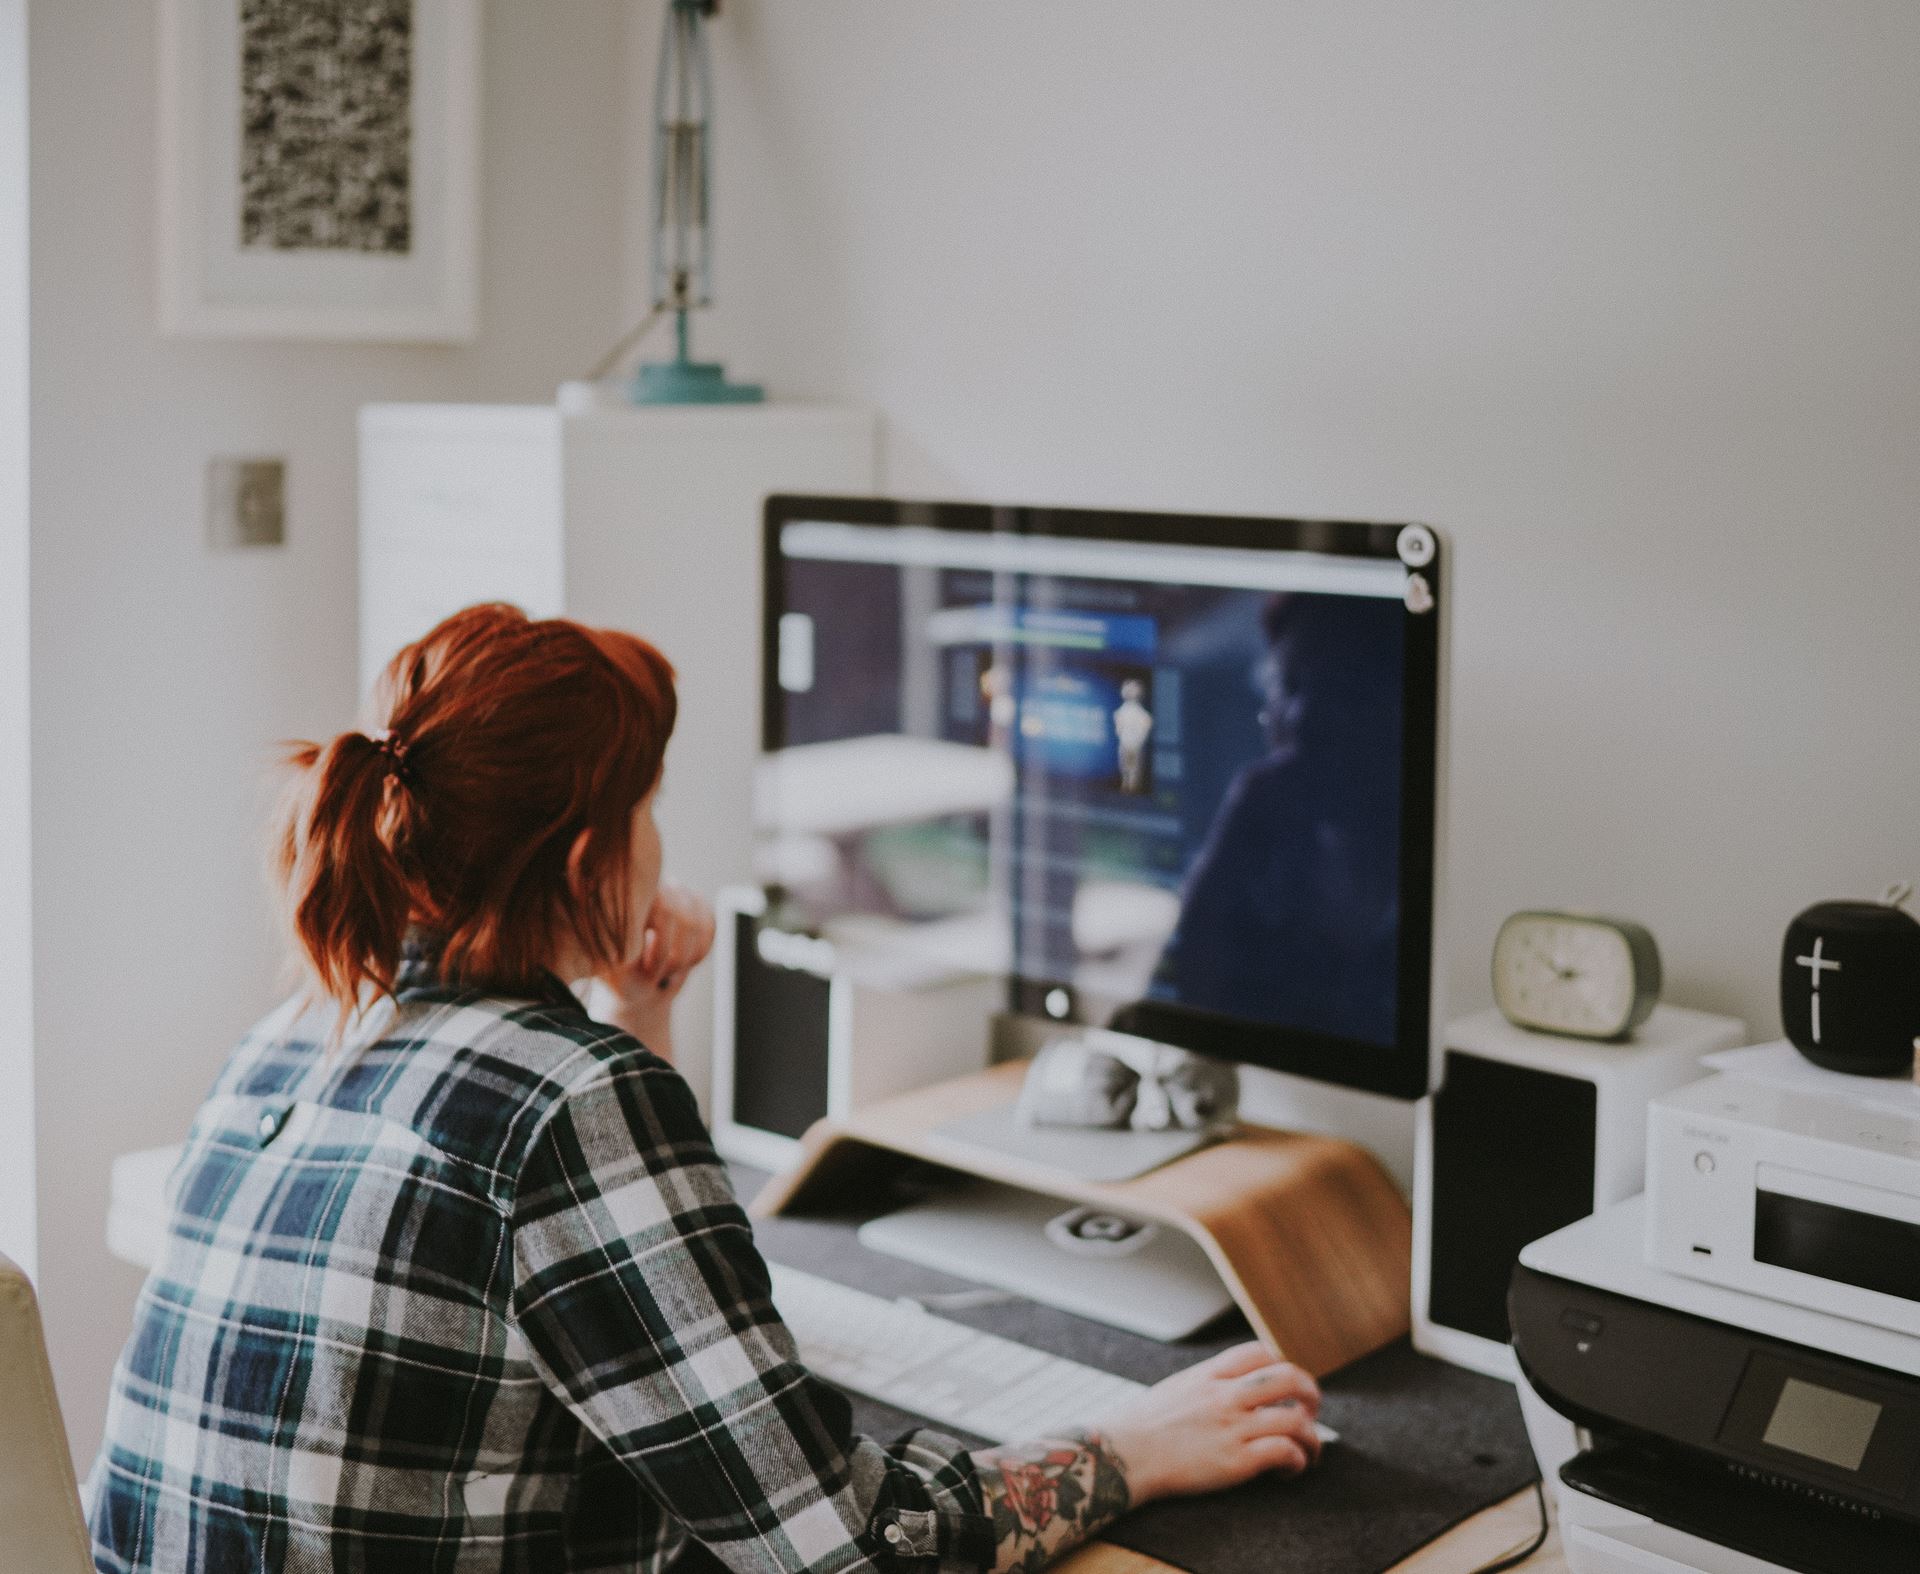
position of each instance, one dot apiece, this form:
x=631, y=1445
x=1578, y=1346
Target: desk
x=1466, y=1547
x=136, y=1228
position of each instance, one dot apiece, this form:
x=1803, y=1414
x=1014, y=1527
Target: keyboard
x=930, y=1366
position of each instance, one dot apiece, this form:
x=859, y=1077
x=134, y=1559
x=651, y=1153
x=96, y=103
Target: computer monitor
x=1172, y=774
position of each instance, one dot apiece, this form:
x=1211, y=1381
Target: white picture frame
x=422, y=289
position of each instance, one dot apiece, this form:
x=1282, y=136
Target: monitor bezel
x=1403, y=1071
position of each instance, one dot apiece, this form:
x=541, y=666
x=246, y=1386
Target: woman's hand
x=676, y=936
x=1216, y=1425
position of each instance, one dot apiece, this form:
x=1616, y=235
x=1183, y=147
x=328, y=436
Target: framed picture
x=319, y=170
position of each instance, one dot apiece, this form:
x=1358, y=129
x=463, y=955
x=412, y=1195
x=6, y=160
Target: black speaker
x=774, y=1074
x=1529, y=1132
x=1513, y=1161
x=1850, y=987
x=802, y=1032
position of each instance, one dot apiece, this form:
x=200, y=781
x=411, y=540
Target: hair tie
x=394, y=750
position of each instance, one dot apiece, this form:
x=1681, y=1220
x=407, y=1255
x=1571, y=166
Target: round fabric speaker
x=1850, y=987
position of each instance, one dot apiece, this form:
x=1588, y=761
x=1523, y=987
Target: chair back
x=41, y=1526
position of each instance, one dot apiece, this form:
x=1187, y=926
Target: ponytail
x=495, y=811
x=347, y=895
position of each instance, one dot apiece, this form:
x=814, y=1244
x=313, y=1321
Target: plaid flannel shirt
x=478, y=1296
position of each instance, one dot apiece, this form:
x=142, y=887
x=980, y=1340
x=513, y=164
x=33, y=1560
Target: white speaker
x=1529, y=1132
x=802, y=1031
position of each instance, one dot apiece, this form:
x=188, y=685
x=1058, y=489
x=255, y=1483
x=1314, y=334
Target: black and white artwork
x=326, y=125
x=319, y=169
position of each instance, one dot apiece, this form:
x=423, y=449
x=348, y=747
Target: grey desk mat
x=1423, y=1445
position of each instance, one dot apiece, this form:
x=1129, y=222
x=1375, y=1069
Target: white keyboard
x=906, y=1357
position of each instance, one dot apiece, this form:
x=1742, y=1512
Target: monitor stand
x=1147, y=1278
x=1086, y=1153
x=1106, y=1106
x=1307, y=1233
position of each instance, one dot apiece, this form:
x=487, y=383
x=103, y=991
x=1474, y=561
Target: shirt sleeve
x=638, y=1286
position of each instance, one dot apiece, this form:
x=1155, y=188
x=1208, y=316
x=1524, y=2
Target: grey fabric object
x=1423, y=1445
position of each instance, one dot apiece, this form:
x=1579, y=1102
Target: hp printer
x=1712, y=1431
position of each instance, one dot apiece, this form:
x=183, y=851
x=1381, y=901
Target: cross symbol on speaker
x=1816, y=964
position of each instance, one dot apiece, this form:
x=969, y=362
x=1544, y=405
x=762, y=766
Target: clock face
x=1567, y=974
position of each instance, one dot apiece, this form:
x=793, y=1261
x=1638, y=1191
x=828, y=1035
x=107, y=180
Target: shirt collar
x=419, y=970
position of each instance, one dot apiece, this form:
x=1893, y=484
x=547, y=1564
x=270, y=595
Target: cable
x=633, y=336
x=1513, y=1560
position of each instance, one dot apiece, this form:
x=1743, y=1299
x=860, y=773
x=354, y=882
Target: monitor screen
x=1170, y=774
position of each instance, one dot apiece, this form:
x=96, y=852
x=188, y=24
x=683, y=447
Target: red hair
x=506, y=742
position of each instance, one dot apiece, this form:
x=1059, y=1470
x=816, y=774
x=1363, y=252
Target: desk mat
x=1424, y=1445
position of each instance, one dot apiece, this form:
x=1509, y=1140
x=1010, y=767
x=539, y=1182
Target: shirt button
x=895, y=1534
x=271, y=1120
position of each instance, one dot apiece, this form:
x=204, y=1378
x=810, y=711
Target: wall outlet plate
x=246, y=503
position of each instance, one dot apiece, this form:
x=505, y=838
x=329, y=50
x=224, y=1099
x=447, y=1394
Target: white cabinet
x=644, y=519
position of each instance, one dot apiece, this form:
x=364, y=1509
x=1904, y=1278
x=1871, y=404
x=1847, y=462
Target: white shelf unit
x=645, y=519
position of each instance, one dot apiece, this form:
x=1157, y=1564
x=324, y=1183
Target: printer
x=1699, y=1429
x=1723, y=1375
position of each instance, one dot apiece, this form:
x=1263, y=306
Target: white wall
x=1623, y=293
x=16, y=931
x=163, y=673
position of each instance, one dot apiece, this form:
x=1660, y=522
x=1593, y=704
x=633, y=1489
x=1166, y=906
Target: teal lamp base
x=690, y=382
x=683, y=380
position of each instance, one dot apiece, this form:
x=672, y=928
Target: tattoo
x=1048, y=1496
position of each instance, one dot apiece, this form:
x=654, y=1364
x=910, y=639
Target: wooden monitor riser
x=1308, y=1233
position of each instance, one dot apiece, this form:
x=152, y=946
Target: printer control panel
x=1827, y=1418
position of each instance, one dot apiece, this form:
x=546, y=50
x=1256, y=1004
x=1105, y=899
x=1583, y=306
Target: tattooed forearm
x=1050, y=1495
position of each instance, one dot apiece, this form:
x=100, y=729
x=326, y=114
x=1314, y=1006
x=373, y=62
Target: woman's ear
x=573, y=943
x=590, y=905
x=576, y=861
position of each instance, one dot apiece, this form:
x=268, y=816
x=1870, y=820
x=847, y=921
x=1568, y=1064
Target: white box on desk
x=1529, y=1132
x=1781, y=1179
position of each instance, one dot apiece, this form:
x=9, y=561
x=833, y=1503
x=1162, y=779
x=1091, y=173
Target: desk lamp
x=682, y=199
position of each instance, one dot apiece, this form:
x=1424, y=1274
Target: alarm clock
x=1575, y=974
x=1850, y=985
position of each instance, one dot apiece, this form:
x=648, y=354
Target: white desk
x=136, y=1206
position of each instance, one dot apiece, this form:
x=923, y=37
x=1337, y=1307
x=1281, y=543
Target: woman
x=454, y=1279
